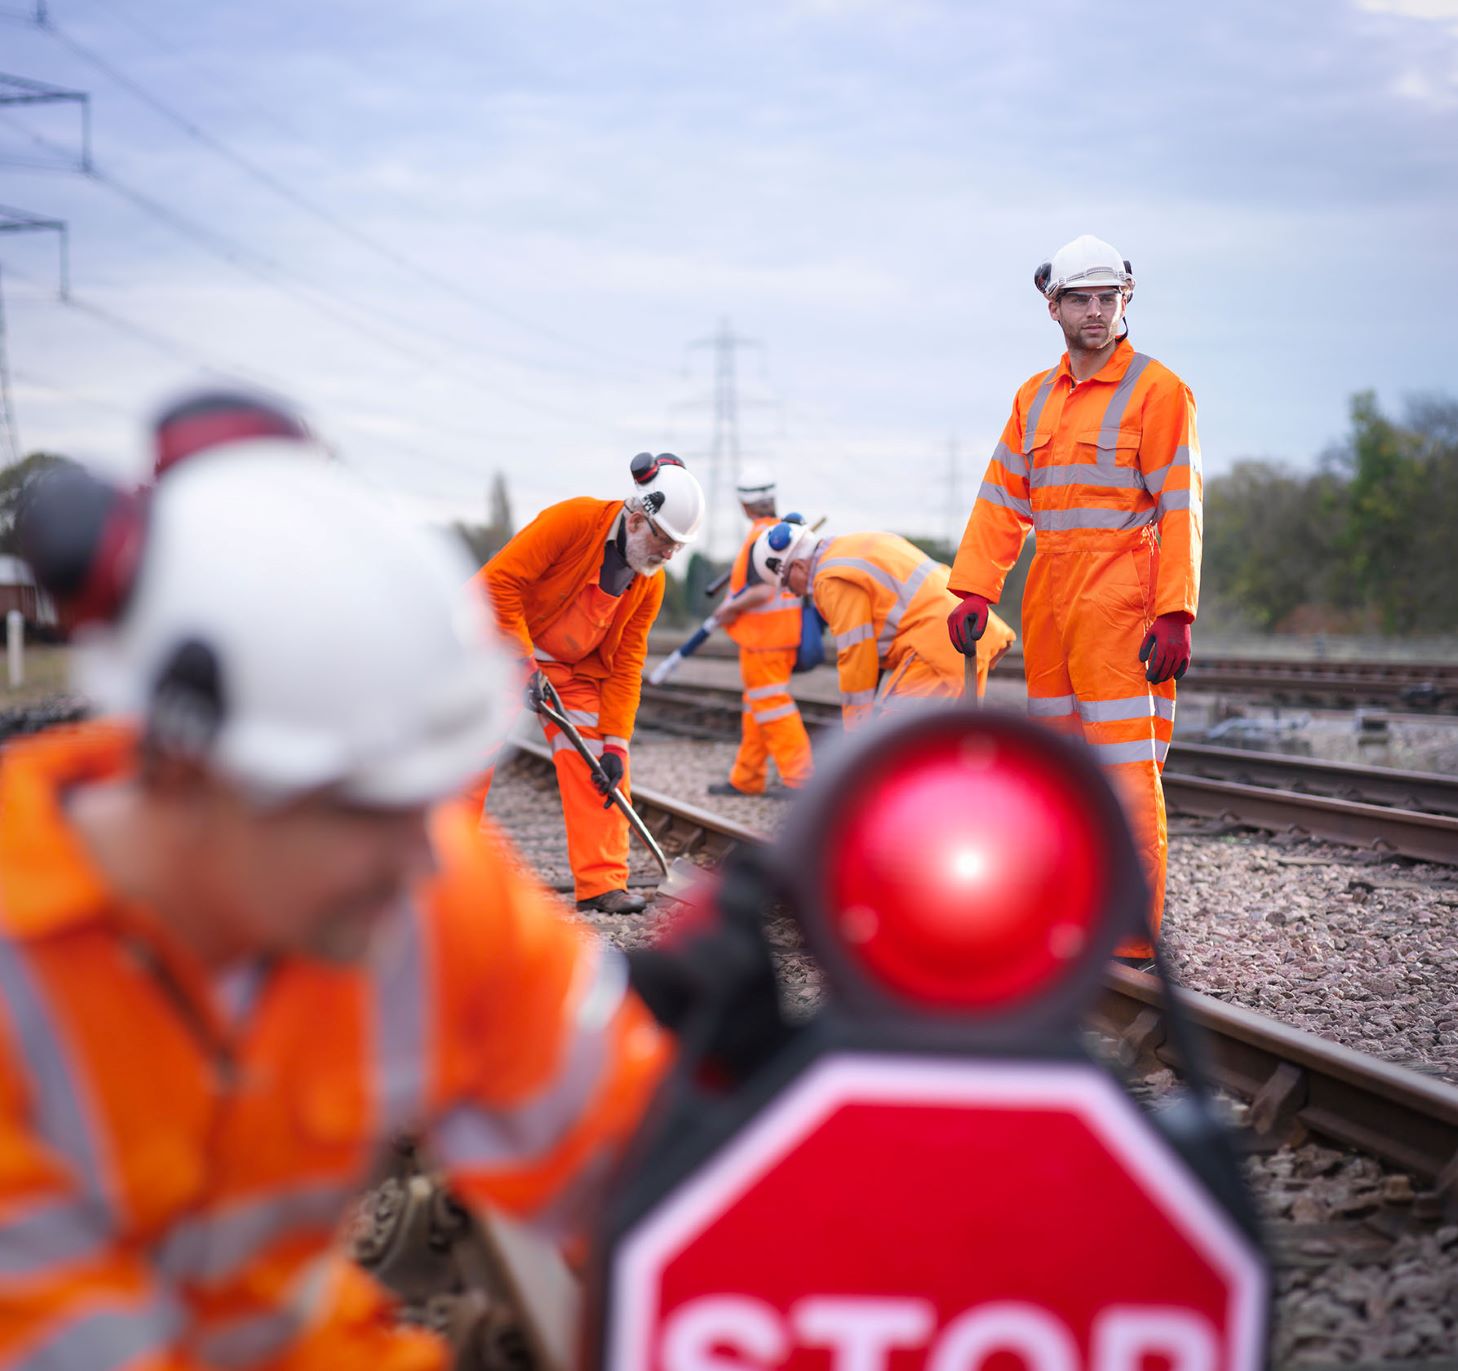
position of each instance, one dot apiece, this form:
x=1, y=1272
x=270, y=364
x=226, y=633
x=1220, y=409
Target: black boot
x=615, y=902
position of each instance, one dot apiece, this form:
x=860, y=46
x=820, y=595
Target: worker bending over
x=886, y=602
x=246, y=937
x=1101, y=460
x=575, y=592
x=766, y=622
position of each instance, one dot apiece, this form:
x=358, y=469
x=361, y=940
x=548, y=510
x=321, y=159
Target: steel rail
x=1290, y=1076
x=1405, y=813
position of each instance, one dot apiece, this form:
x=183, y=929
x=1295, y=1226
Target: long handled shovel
x=677, y=875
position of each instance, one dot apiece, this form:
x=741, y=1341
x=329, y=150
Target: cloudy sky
x=471, y=235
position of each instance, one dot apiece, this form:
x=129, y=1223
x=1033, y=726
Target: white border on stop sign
x=864, y=1078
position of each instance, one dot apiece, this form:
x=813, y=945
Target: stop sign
x=885, y=1213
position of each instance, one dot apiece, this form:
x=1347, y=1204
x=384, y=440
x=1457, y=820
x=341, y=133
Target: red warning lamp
x=962, y=862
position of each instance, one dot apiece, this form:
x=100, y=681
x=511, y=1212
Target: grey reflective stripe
x=1172, y=499
x=236, y=1343
x=1118, y=403
x=603, y=997
x=1000, y=495
x=102, y=1339
x=219, y=1243
x=398, y=998
x=766, y=692
x=858, y=697
x=1118, y=520
x=776, y=606
x=542, y=656
x=782, y=712
x=859, y=634
x=904, y=596
x=583, y=718
x=1113, y=711
x=561, y=743
x=471, y=1136
x=610, y=741
x=1154, y=480
x=1112, y=754
x=1035, y=411
x=878, y=574
x=58, y=1093
x=1164, y=708
x=1086, y=474
x=56, y=1233
x=1050, y=706
x=1014, y=463
x=1161, y=750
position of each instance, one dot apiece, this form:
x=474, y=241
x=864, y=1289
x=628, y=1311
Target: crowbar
x=679, y=875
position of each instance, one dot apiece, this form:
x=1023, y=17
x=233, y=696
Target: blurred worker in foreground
x=886, y=602
x=765, y=621
x=575, y=592
x=242, y=945
x=1101, y=460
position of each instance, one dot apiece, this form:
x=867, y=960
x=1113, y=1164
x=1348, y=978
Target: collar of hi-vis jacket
x=48, y=880
x=1112, y=370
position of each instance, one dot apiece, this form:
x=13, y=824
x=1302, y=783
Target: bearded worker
x=1100, y=460
x=575, y=592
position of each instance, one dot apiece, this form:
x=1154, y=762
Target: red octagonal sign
x=892, y=1214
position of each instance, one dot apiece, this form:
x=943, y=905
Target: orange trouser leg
x=597, y=838
x=772, y=726
x=1086, y=610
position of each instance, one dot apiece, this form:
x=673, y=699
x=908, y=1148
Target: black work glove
x=536, y=692
x=612, y=769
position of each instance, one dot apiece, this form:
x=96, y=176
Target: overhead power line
x=307, y=204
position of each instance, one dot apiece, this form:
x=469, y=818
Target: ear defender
x=1042, y=276
x=83, y=538
x=645, y=466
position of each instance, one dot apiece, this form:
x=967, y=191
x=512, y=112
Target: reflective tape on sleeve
x=104, y=1337
x=1001, y=496
x=861, y=633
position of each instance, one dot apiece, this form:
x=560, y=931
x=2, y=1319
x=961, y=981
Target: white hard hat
x=755, y=484
x=777, y=547
x=666, y=491
x=292, y=632
x=1084, y=264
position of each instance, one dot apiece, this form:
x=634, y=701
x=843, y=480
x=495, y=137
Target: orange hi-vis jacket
x=887, y=603
x=537, y=577
x=774, y=624
x=1089, y=464
x=174, y=1167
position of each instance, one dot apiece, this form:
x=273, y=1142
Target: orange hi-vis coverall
x=176, y=1158
x=543, y=587
x=1107, y=475
x=887, y=603
x=769, y=640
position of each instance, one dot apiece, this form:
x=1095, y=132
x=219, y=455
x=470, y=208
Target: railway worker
x=886, y=603
x=1101, y=460
x=575, y=592
x=246, y=937
x=765, y=622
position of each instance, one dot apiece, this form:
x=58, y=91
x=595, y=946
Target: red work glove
x=968, y=622
x=614, y=762
x=1167, y=647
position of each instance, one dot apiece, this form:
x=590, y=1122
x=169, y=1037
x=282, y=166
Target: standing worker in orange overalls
x=765, y=621
x=576, y=592
x=1101, y=460
x=248, y=933
x=886, y=602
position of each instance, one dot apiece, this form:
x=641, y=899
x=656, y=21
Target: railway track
x=1402, y=813
x=1291, y=1079
x=1426, y=686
